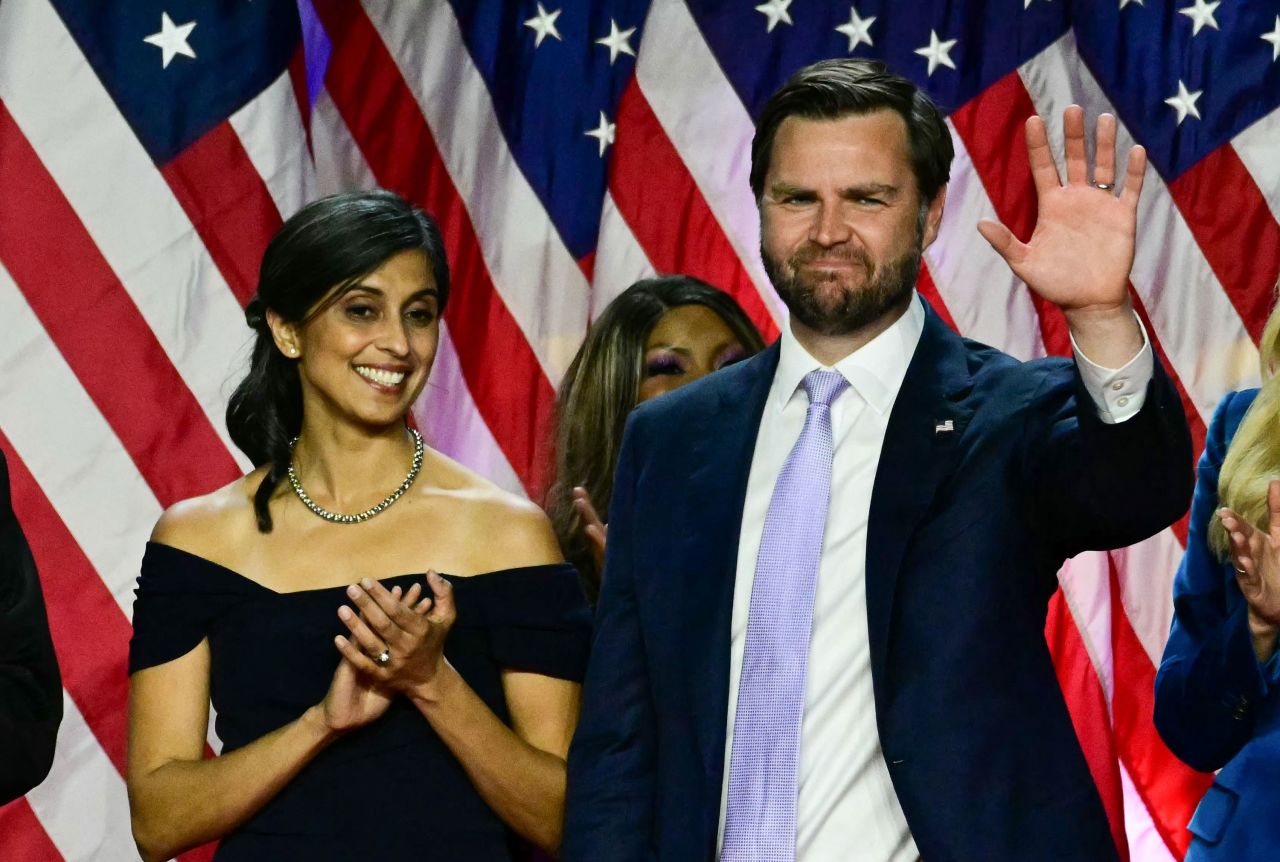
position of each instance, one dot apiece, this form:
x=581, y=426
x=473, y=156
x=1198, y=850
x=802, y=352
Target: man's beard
x=884, y=288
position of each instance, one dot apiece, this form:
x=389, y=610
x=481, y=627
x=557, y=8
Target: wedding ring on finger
x=383, y=658
x=1106, y=187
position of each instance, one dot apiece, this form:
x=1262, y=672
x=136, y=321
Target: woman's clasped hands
x=395, y=646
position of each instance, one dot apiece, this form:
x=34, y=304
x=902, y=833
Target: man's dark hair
x=831, y=89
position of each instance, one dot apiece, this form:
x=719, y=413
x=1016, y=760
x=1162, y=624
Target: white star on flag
x=172, y=40
x=544, y=24
x=1124, y=3
x=775, y=11
x=603, y=133
x=858, y=29
x=1184, y=103
x=1202, y=14
x=618, y=41
x=938, y=52
x=1274, y=38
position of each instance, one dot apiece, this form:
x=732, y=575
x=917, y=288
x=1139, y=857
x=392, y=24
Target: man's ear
x=285, y=335
x=933, y=217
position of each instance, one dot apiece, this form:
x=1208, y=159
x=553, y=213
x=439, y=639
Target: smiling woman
x=458, y=688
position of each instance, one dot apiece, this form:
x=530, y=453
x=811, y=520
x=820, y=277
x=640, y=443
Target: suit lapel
x=921, y=447
x=708, y=550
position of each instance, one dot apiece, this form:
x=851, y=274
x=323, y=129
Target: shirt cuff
x=1118, y=393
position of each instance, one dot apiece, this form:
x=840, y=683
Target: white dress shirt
x=847, y=809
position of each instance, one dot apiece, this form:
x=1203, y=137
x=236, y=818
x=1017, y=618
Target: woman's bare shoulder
x=512, y=530
x=209, y=524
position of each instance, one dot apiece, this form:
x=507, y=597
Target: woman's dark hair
x=600, y=390
x=832, y=89
x=325, y=247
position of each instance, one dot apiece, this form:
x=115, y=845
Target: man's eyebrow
x=870, y=190
x=780, y=189
x=784, y=189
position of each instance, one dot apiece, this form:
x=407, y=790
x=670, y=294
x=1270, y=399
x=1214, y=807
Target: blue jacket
x=1215, y=706
x=969, y=524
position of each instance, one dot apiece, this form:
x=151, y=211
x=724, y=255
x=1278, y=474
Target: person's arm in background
x=30, y=685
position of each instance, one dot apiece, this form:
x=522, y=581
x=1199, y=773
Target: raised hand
x=595, y=529
x=410, y=629
x=1081, y=251
x=1256, y=556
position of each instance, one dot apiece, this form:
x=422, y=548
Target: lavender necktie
x=760, y=819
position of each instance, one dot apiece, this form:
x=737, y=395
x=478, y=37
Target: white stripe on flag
x=128, y=209
x=340, y=165
x=1086, y=586
x=620, y=260
x=73, y=454
x=1145, y=843
x=270, y=129
x=82, y=805
x=452, y=424
x=1256, y=146
x=988, y=302
x=1146, y=571
x=521, y=247
x=708, y=125
x=446, y=412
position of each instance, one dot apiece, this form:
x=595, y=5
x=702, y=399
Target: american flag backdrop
x=149, y=149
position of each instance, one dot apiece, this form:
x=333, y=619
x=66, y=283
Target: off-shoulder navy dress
x=392, y=789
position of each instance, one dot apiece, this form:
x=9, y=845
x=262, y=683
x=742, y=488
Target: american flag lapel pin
x=944, y=427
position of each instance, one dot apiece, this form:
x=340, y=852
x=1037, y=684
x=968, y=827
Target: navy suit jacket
x=1216, y=708
x=968, y=527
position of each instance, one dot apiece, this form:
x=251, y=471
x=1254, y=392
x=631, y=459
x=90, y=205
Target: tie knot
x=822, y=387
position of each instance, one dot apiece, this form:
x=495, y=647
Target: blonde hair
x=1253, y=458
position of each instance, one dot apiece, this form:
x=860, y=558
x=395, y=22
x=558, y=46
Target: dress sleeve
x=178, y=599
x=539, y=621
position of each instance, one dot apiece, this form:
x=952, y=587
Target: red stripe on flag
x=90, y=634
x=1088, y=707
x=228, y=204
x=1231, y=222
x=587, y=263
x=929, y=291
x=203, y=853
x=665, y=209
x=510, y=390
x=22, y=837
x=991, y=126
x=91, y=319
x=1169, y=787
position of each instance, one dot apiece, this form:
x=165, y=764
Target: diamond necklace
x=358, y=517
